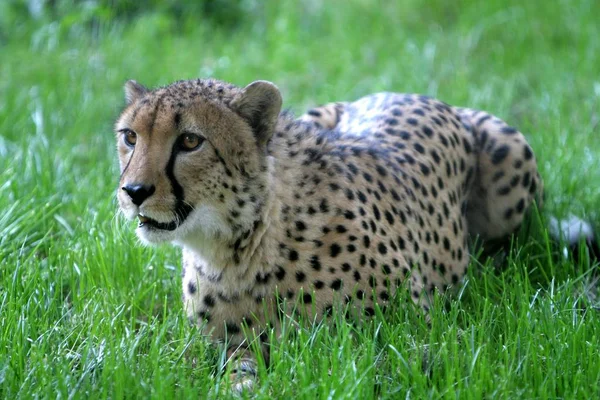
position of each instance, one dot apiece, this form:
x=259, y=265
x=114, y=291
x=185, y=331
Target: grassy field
x=86, y=312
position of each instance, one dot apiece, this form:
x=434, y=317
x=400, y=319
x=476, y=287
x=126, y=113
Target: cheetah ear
x=259, y=104
x=134, y=91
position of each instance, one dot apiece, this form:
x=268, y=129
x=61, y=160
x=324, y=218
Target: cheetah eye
x=130, y=137
x=190, y=141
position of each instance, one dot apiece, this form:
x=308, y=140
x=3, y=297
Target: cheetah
x=280, y=216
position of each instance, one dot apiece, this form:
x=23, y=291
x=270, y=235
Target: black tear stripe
x=182, y=209
x=127, y=165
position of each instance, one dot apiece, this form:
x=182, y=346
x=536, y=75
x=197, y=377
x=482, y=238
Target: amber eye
x=190, y=141
x=130, y=137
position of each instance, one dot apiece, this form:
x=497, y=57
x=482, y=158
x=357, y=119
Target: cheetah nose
x=139, y=192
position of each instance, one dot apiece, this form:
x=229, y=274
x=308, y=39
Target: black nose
x=138, y=192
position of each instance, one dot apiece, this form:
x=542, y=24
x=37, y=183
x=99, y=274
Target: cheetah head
x=193, y=158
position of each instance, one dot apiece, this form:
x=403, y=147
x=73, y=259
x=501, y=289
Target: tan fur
x=342, y=206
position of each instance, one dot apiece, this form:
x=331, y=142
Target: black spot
x=381, y=171
x=232, y=327
x=356, y=275
x=481, y=120
x=280, y=273
x=382, y=248
x=520, y=206
x=419, y=147
x=532, y=187
x=293, y=256
x=373, y=281
x=307, y=298
x=349, y=214
x=366, y=241
x=209, y=301
x=467, y=146
x=514, y=181
x=323, y=206
x=503, y=191
x=360, y=294
x=203, y=315
x=315, y=263
x=318, y=284
x=336, y=284
x=401, y=243
x=527, y=153
x=376, y=212
x=353, y=168
x=192, y=287
x=443, y=140
x=349, y=194
x=509, y=130
x=526, y=179
x=518, y=164
x=341, y=229
x=346, y=267
x=446, y=244
x=500, y=154
x=263, y=278
x=386, y=269
x=300, y=225
x=335, y=250
x=300, y=276
x=362, y=197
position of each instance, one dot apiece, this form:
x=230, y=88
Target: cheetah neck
x=236, y=258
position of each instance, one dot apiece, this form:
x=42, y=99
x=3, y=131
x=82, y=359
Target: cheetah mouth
x=146, y=222
x=183, y=211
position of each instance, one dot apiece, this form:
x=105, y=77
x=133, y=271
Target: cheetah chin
x=200, y=224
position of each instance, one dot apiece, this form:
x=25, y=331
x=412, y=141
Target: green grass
x=86, y=312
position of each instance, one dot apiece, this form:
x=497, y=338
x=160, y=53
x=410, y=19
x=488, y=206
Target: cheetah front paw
x=243, y=378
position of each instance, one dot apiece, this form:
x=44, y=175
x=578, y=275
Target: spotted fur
x=343, y=206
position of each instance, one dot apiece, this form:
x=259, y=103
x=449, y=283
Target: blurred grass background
x=88, y=313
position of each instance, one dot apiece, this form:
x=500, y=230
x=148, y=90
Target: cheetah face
x=192, y=157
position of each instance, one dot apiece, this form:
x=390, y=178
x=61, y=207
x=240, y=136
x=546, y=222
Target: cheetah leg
x=507, y=178
x=326, y=116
